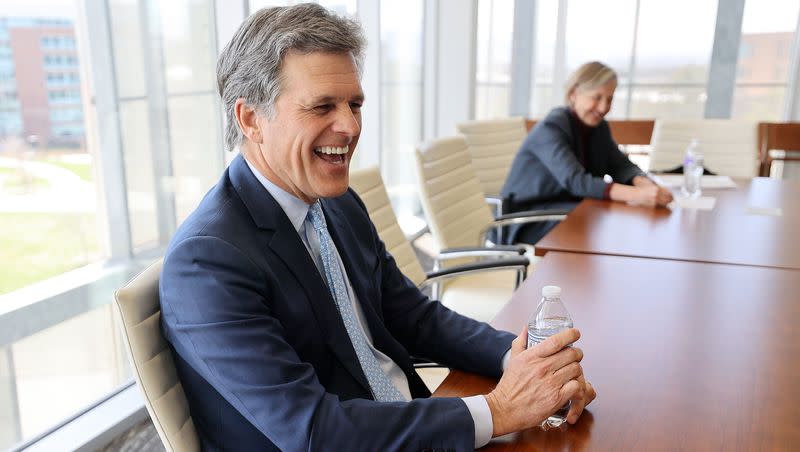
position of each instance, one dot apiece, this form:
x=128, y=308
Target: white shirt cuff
x=506, y=357
x=482, y=417
x=481, y=414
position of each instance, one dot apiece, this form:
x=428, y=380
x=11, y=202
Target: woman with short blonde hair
x=589, y=76
x=566, y=157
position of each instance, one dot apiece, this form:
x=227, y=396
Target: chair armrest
x=530, y=216
x=496, y=203
x=480, y=251
x=514, y=263
x=424, y=363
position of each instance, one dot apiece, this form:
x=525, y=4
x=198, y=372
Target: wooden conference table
x=742, y=228
x=684, y=355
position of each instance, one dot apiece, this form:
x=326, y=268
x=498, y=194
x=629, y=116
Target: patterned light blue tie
x=382, y=388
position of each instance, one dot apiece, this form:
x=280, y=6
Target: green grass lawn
x=83, y=170
x=14, y=181
x=36, y=246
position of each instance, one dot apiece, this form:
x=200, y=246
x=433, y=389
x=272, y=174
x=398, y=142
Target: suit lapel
x=285, y=243
x=347, y=243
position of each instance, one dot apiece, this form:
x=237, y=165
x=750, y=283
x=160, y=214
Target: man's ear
x=247, y=117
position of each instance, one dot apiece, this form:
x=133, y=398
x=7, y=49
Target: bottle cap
x=551, y=291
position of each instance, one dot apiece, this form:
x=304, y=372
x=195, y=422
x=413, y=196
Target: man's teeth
x=333, y=150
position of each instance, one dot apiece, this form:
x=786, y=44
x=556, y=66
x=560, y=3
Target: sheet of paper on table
x=676, y=180
x=701, y=203
x=766, y=211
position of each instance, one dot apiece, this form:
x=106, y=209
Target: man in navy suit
x=273, y=349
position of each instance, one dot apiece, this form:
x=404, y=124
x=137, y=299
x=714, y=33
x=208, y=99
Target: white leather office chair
x=492, y=144
x=453, y=199
x=154, y=369
x=477, y=290
x=729, y=147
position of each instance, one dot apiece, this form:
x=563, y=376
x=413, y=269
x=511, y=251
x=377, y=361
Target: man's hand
x=537, y=382
x=583, y=397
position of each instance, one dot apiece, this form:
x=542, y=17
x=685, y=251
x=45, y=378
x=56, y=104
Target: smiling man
x=290, y=324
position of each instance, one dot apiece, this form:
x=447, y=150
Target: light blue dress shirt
x=296, y=210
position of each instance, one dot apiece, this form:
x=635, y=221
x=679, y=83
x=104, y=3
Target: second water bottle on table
x=550, y=317
x=692, y=171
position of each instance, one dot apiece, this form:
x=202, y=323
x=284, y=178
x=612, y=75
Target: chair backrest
x=632, y=131
x=452, y=196
x=154, y=369
x=774, y=136
x=369, y=185
x=730, y=147
x=624, y=131
x=492, y=145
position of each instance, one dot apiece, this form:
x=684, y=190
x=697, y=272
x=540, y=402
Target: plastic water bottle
x=550, y=317
x=692, y=171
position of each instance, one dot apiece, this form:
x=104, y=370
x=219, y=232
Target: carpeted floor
x=141, y=438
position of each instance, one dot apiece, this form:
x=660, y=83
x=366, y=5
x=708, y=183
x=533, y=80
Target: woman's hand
x=653, y=195
x=647, y=194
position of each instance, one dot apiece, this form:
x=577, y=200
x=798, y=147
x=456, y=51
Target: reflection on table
x=684, y=355
x=758, y=223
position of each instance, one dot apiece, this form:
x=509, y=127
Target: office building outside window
x=765, y=54
x=49, y=223
x=59, y=348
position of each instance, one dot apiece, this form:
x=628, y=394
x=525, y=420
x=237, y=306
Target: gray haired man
x=291, y=326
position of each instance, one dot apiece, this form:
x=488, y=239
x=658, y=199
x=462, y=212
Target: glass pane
x=590, y=38
x=765, y=50
x=493, y=100
x=196, y=155
x=127, y=46
x=620, y=102
x=542, y=100
x=765, y=54
x=542, y=96
x=759, y=103
x=666, y=101
x=401, y=100
x=493, y=62
x=48, y=209
x=189, y=57
x=89, y=364
x=139, y=177
x=673, y=46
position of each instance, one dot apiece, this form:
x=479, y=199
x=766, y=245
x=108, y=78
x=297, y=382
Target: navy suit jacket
x=262, y=352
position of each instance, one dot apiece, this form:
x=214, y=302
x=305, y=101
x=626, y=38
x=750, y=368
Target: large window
x=49, y=221
x=401, y=101
x=66, y=201
x=673, y=52
x=544, y=92
x=658, y=76
x=48, y=214
x=493, y=62
x=590, y=37
x=765, y=54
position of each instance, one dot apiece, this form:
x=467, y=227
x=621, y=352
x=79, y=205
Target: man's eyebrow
x=331, y=99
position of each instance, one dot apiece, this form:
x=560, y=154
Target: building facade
x=40, y=98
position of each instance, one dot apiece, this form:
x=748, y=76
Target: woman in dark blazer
x=567, y=154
